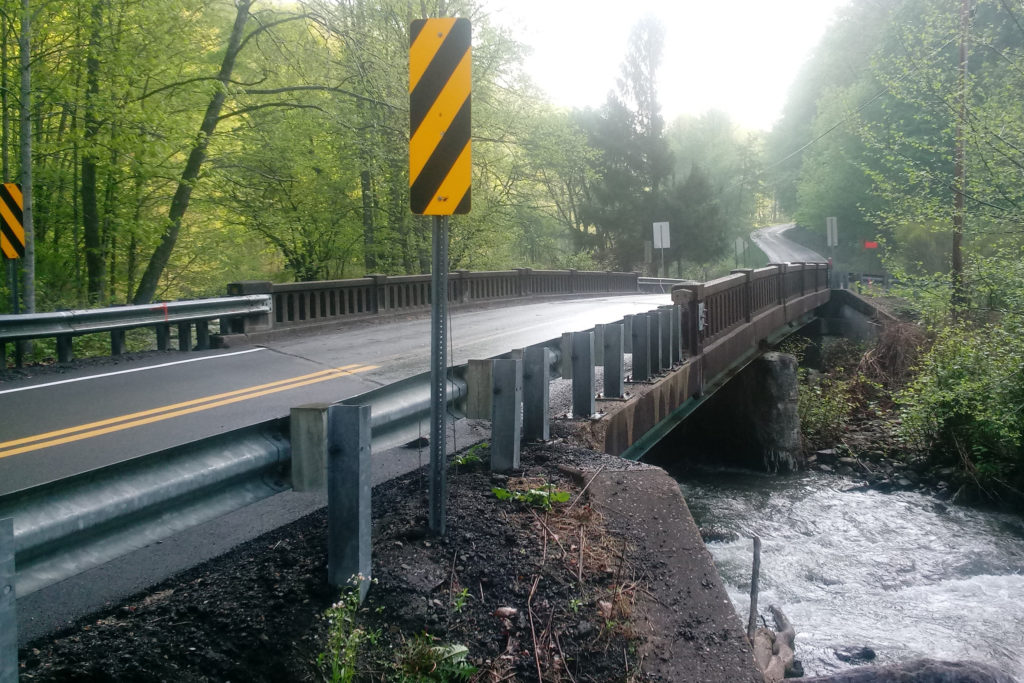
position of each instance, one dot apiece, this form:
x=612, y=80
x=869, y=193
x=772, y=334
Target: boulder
x=919, y=671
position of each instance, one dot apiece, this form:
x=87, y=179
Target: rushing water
x=900, y=573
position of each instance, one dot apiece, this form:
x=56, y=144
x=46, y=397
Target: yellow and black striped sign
x=440, y=165
x=12, y=234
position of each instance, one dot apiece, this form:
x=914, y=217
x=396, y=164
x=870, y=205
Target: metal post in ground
x=654, y=341
x=438, y=377
x=8, y=604
x=536, y=386
x=677, y=333
x=627, y=333
x=598, y=344
x=506, y=416
x=665, y=323
x=565, y=356
x=349, y=483
x=614, y=363
x=641, y=348
x=583, y=374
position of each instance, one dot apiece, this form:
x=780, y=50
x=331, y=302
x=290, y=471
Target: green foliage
x=422, y=661
x=472, y=457
x=965, y=405
x=541, y=497
x=825, y=406
x=345, y=639
x=459, y=600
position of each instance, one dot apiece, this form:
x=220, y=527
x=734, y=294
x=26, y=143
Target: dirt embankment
x=613, y=585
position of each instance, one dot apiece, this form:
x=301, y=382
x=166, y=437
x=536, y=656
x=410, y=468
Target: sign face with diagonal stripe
x=12, y=234
x=440, y=166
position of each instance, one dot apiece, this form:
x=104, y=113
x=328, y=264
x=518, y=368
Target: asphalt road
x=53, y=425
x=779, y=249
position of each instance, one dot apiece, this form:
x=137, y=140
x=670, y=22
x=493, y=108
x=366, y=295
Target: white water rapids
x=900, y=573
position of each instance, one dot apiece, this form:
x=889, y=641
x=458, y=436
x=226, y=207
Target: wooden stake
x=752, y=621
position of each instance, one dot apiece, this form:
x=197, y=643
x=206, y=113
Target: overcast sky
x=739, y=56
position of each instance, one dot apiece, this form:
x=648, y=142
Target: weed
x=344, y=637
x=575, y=604
x=472, y=456
x=459, y=601
x=540, y=497
x=421, y=661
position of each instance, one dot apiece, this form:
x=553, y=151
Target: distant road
x=782, y=250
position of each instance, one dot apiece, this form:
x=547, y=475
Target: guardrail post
x=583, y=374
x=641, y=347
x=599, y=330
x=65, y=352
x=665, y=322
x=506, y=414
x=565, y=356
x=185, y=336
x=308, y=426
x=654, y=341
x=349, y=481
x=536, y=396
x=479, y=386
x=690, y=295
x=251, y=323
x=203, y=334
x=627, y=333
x=678, y=350
x=117, y=345
x=8, y=606
x=614, y=361
x=748, y=292
x=163, y=336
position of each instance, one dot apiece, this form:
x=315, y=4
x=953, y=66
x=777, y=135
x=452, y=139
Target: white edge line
x=125, y=372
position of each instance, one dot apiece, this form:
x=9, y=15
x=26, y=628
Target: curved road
x=779, y=249
x=55, y=425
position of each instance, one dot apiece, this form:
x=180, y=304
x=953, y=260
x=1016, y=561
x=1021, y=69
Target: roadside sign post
x=440, y=176
x=661, y=241
x=832, y=238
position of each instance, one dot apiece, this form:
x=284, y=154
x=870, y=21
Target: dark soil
x=570, y=587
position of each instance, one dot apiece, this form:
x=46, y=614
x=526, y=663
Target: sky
x=737, y=56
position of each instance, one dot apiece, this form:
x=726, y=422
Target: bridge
x=713, y=330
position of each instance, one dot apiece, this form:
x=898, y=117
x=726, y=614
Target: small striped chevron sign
x=12, y=233
x=440, y=164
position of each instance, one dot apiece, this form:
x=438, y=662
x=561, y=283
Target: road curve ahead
x=778, y=249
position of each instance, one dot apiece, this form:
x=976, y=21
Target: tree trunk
x=179, y=204
x=28, y=264
x=369, y=250
x=95, y=263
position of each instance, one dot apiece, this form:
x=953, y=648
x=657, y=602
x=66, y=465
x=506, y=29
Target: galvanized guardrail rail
x=65, y=325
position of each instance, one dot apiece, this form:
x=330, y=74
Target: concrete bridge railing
x=308, y=303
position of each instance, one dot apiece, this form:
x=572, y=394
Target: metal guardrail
x=63, y=325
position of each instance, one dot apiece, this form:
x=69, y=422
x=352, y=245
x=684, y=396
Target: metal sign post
x=661, y=241
x=832, y=236
x=438, y=378
x=440, y=179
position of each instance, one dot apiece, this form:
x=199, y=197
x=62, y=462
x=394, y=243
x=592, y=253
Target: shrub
x=967, y=400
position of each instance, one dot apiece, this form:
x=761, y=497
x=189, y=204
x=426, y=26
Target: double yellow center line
x=116, y=424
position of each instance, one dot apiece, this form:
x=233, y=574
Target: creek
x=900, y=573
